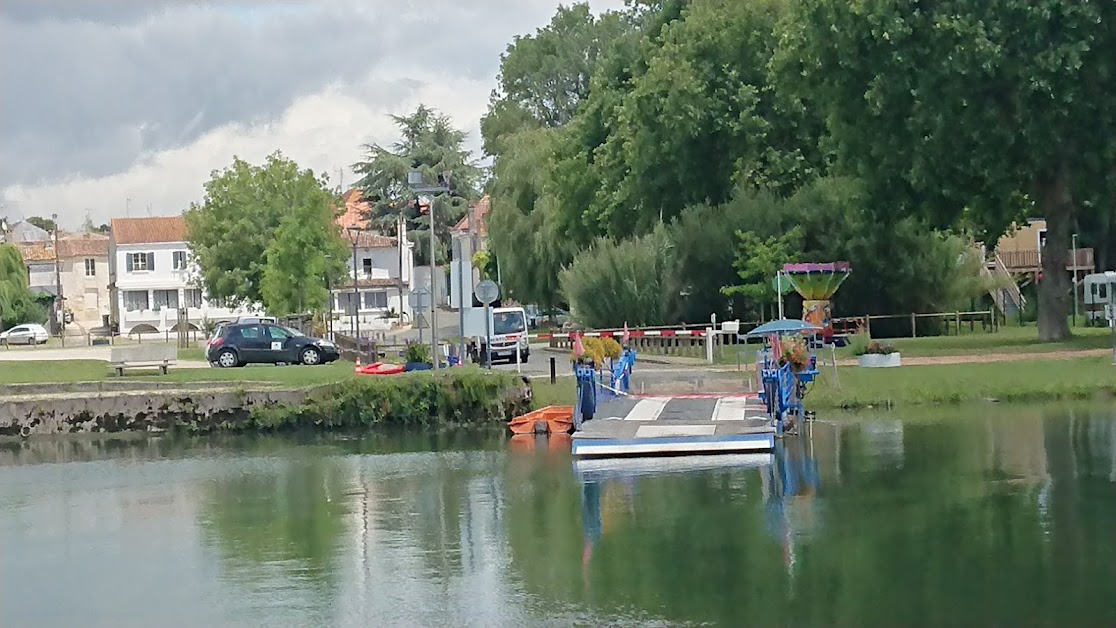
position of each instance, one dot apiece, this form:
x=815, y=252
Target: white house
x=151, y=278
x=384, y=274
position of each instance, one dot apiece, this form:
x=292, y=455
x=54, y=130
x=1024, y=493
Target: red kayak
x=380, y=368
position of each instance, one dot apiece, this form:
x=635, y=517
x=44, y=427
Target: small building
x=383, y=278
x=84, y=270
x=1020, y=249
x=151, y=277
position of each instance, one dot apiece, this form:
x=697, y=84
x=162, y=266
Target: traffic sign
x=487, y=292
x=420, y=299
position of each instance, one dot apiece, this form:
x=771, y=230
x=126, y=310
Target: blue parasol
x=784, y=326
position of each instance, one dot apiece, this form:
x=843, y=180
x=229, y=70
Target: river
x=989, y=515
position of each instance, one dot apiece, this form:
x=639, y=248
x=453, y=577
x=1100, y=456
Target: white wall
x=86, y=296
x=462, y=264
x=163, y=277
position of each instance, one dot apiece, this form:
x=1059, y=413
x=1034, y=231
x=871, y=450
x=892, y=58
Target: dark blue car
x=238, y=344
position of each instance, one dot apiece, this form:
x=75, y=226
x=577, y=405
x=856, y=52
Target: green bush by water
x=466, y=397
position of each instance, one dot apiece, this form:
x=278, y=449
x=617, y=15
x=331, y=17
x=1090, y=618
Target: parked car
x=237, y=344
x=536, y=316
x=28, y=334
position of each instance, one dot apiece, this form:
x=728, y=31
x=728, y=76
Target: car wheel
x=311, y=356
x=227, y=359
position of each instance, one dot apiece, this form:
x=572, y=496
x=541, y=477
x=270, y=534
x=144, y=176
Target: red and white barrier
x=651, y=333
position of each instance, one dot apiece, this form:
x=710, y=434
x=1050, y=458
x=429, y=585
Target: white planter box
x=878, y=361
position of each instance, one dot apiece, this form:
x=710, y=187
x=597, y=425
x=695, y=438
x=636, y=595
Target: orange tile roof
x=480, y=211
x=355, y=211
x=84, y=245
x=36, y=251
x=149, y=230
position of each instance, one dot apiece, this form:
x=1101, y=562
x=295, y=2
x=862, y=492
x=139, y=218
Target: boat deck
x=676, y=425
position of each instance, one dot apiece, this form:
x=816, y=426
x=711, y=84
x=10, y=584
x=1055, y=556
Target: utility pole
x=58, y=283
x=1074, y=280
x=415, y=182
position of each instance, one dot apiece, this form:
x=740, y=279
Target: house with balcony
x=1016, y=261
x=151, y=278
x=376, y=294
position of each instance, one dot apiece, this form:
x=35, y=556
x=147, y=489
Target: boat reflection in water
x=789, y=477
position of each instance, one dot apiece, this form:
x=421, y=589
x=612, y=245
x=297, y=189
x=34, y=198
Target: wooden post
x=957, y=317
x=914, y=334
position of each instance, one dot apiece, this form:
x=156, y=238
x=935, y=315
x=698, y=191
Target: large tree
x=429, y=142
x=266, y=234
x=974, y=110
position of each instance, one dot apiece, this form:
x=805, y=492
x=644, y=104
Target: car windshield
x=507, y=323
x=293, y=333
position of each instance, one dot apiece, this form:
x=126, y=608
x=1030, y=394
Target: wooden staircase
x=1002, y=286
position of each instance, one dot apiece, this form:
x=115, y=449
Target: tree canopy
x=266, y=234
x=982, y=111
x=429, y=142
x=895, y=134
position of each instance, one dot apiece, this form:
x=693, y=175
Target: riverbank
x=853, y=388
x=462, y=397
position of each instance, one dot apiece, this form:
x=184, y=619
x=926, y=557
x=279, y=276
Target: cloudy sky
x=107, y=100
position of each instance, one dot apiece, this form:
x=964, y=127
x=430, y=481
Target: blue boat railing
x=591, y=385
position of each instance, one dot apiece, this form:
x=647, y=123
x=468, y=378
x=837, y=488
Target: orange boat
x=548, y=420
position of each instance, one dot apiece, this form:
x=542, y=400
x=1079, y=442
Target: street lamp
x=58, y=283
x=354, y=237
x=329, y=299
x=415, y=182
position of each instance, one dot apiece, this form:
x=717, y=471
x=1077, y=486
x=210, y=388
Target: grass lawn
x=1006, y=340
x=857, y=388
x=95, y=370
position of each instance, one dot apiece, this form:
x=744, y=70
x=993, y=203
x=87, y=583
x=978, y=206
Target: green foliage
x=418, y=352
x=430, y=143
x=969, y=111
x=265, y=234
x=759, y=260
x=633, y=281
x=470, y=397
x=17, y=303
x=485, y=262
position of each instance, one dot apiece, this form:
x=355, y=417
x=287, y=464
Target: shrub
x=468, y=397
x=875, y=347
x=417, y=352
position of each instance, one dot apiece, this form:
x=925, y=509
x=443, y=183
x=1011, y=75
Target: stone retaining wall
x=153, y=410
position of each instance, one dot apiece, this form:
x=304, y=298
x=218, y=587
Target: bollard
x=553, y=371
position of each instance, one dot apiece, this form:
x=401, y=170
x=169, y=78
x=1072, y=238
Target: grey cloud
x=90, y=87
x=84, y=99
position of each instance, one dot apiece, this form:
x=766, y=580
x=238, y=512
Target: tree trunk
x=1055, y=201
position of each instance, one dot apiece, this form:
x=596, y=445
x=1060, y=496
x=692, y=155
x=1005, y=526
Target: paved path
x=69, y=354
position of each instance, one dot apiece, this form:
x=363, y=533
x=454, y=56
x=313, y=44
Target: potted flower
x=795, y=353
x=878, y=354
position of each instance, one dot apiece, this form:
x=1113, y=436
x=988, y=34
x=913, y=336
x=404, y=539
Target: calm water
x=1004, y=517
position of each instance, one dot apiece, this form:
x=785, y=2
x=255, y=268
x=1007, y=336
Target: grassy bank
x=1008, y=340
x=856, y=388
x=460, y=398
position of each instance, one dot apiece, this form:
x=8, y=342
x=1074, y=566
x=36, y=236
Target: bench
x=160, y=356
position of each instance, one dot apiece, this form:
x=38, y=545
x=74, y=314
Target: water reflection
x=1000, y=517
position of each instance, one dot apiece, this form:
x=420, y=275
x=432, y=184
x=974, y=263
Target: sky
x=102, y=101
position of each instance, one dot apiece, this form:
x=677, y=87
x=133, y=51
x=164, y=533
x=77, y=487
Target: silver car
x=28, y=334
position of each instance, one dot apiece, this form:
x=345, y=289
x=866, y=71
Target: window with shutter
x=150, y=261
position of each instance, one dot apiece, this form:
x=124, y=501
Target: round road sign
x=488, y=292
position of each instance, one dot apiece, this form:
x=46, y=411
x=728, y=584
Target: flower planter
x=878, y=360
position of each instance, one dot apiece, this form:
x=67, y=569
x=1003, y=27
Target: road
x=68, y=354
